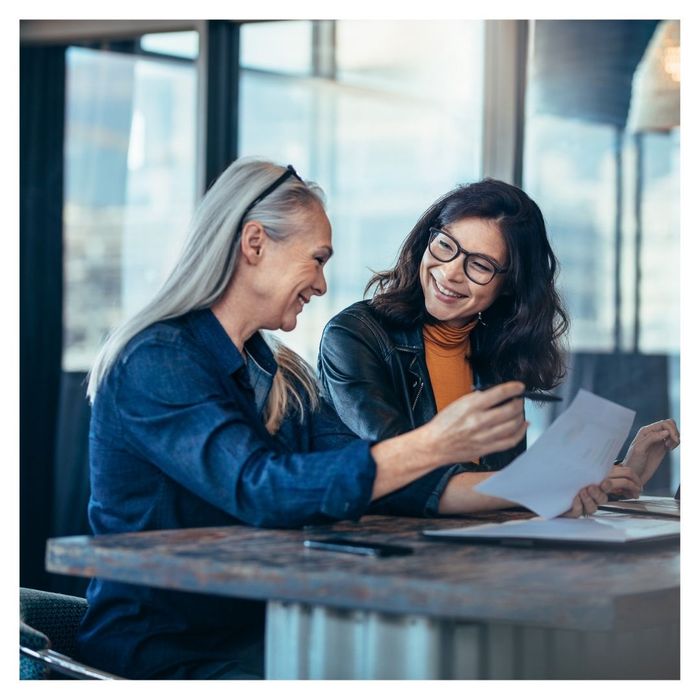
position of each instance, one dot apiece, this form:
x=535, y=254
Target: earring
x=481, y=319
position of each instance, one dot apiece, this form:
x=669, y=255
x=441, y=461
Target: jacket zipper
x=420, y=388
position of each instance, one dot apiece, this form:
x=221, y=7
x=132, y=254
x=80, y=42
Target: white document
x=618, y=529
x=577, y=450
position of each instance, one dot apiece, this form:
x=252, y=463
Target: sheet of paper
x=594, y=529
x=578, y=449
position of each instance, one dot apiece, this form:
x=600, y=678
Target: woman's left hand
x=648, y=449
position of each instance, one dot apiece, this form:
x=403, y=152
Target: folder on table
x=603, y=530
x=648, y=505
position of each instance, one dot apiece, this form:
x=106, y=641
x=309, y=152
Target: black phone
x=371, y=549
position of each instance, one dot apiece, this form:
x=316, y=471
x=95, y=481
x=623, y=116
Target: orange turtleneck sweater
x=447, y=352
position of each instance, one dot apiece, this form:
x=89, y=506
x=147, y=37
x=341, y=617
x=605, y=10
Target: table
x=449, y=611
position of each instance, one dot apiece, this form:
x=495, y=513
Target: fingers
x=624, y=482
x=663, y=430
x=588, y=499
x=504, y=429
x=668, y=425
x=481, y=416
x=625, y=488
x=597, y=496
x=623, y=473
x=473, y=427
x=503, y=413
x=506, y=442
x=576, y=510
x=673, y=438
x=588, y=502
x=501, y=392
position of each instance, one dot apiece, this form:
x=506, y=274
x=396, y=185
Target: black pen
x=538, y=396
x=532, y=395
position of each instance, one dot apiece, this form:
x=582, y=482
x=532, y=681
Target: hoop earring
x=481, y=319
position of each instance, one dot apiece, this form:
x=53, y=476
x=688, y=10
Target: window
x=129, y=186
x=385, y=116
x=611, y=201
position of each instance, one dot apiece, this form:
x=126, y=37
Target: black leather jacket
x=376, y=377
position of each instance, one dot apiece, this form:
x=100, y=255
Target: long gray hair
x=208, y=261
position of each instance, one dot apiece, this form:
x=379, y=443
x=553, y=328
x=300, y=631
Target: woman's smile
x=446, y=295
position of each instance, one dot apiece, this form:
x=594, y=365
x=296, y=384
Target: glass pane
x=182, y=44
x=569, y=171
x=129, y=188
x=659, y=229
x=282, y=47
x=427, y=59
x=382, y=146
x=594, y=180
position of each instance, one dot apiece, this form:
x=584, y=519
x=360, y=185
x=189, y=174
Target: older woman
x=470, y=302
x=198, y=420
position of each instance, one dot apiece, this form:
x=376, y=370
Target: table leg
x=316, y=642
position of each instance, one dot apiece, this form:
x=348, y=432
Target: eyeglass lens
x=477, y=268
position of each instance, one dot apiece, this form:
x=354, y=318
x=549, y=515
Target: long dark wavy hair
x=524, y=330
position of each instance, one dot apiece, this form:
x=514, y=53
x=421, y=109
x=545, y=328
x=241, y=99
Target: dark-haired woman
x=471, y=302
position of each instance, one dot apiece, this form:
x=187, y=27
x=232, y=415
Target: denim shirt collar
x=259, y=375
x=259, y=370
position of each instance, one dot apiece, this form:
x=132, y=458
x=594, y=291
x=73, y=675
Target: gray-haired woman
x=200, y=421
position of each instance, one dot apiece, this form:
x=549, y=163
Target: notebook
x=609, y=529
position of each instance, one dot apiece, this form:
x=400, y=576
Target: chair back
x=48, y=629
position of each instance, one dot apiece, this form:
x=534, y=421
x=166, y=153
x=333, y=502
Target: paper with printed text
x=577, y=450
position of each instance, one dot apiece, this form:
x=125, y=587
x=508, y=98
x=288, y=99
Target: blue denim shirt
x=177, y=440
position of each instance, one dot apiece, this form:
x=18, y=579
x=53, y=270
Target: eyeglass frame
x=498, y=270
x=288, y=172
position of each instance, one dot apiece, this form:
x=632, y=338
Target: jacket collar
x=410, y=341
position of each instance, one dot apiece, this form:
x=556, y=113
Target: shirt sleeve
x=178, y=414
x=357, y=380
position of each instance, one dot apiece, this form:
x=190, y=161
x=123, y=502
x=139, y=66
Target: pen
x=539, y=396
x=533, y=395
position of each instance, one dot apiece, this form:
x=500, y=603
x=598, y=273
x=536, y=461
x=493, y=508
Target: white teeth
x=444, y=291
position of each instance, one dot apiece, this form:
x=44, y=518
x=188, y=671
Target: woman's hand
x=646, y=452
x=476, y=425
x=625, y=482
x=471, y=426
x=588, y=499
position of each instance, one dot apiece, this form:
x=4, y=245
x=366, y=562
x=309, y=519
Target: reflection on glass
x=569, y=172
x=428, y=59
x=592, y=180
x=282, y=47
x=129, y=188
x=182, y=44
x=660, y=226
x=383, y=140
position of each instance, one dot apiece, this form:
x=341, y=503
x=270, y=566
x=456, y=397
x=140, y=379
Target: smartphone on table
x=362, y=547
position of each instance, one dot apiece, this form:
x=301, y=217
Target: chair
x=47, y=630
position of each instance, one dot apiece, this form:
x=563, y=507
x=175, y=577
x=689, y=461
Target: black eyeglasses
x=480, y=269
x=289, y=172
